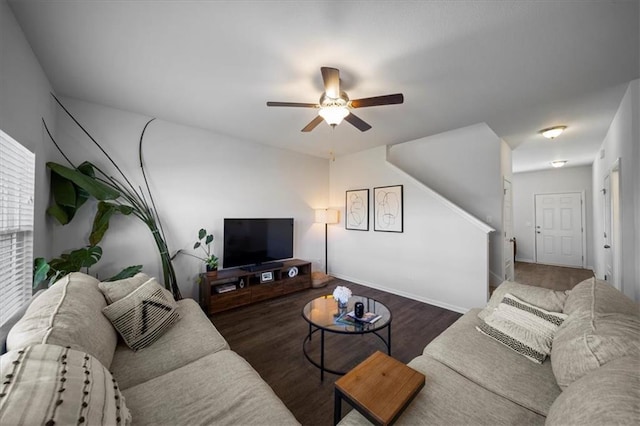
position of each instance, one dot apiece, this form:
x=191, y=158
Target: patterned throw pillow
x=143, y=315
x=52, y=385
x=522, y=327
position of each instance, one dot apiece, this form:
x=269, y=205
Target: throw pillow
x=525, y=328
x=143, y=315
x=49, y=384
x=544, y=298
x=68, y=314
x=116, y=290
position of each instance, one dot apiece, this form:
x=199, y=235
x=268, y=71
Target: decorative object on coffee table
x=342, y=295
x=323, y=315
x=380, y=388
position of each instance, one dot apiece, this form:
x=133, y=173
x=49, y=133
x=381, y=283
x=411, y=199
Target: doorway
x=559, y=229
x=507, y=226
x=612, y=233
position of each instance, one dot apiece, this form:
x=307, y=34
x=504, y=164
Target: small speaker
x=359, y=309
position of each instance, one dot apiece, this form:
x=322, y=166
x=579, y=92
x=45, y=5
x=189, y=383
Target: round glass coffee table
x=323, y=315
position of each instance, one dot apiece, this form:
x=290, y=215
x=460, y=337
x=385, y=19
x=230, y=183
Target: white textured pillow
x=143, y=315
x=522, y=327
x=50, y=384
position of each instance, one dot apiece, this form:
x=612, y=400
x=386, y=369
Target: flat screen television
x=252, y=242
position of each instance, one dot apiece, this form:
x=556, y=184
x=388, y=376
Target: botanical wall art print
x=387, y=208
x=356, y=211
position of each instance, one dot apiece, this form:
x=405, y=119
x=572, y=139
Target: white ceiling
x=519, y=66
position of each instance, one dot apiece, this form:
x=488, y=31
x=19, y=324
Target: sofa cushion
x=116, y=290
x=598, y=296
x=143, y=315
x=50, y=384
x=609, y=395
x=220, y=388
x=522, y=327
x=189, y=339
x=587, y=341
x=450, y=399
x=544, y=298
x=68, y=314
x=494, y=367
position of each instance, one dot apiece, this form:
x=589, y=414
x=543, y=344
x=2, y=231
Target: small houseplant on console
x=210, y=260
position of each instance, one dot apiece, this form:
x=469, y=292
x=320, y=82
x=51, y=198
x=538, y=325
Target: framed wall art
x=356, y=211
x=387, y=208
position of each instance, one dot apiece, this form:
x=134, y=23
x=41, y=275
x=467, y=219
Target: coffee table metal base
x=321, y=364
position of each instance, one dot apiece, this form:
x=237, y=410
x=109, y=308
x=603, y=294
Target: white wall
x=465, y=166
x=622, y=141
x=526, y=185
x=441, y=258
x=24, y=101
x=197, y=178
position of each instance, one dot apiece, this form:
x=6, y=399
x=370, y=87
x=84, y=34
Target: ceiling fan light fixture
x=558, y=163
x=553, y=132
x=333, y=114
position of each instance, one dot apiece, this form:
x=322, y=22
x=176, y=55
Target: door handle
x=607, y=246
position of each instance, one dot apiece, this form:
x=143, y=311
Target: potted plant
x=210, y=260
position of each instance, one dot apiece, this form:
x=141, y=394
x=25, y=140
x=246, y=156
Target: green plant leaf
x=75, y=260
x=97, y=189
x=58, y=214
x=102, y=218
x=63, y=190
x=40, y=271
x=209, y=239
x=127, y=272
x=196, y=245
x=202, y=233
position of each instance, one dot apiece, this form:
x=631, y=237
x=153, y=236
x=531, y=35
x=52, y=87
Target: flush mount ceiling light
x=558, y=163
x=553, y=132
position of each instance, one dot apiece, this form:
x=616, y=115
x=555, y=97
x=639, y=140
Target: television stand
x=262, y=266
x=231, y=288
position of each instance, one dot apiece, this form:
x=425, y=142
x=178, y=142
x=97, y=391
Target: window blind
x=17, y=175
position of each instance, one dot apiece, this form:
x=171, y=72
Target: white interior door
x=559, y=229
x=608, y=253
x=507, y=226
x=612, y=231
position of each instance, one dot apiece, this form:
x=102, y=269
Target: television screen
x=256, y=241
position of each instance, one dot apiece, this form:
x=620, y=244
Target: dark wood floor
x=269, y=336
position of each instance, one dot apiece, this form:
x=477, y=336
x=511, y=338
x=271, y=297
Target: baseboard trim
x=524, y=260
x=412, y=296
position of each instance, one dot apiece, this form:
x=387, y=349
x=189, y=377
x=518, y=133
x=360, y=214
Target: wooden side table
x=380, y=388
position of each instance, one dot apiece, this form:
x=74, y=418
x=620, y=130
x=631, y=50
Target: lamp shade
x=326, y=216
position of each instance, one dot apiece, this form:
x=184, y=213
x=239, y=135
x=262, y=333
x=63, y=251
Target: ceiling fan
x=335, y=105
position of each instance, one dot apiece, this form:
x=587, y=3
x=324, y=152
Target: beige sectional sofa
x=187, y=376
x=592, y=376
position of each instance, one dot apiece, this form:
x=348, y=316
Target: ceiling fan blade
x=292, y=104
x=357, y=122
x=331, y=78
x=396, y=98
x=309, y=127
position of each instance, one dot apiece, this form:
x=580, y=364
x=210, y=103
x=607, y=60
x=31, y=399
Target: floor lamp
x=326, y=216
